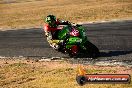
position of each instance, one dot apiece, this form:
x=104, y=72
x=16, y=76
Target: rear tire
x=92, y=50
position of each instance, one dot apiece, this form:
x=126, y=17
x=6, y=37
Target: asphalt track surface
x=114, y=40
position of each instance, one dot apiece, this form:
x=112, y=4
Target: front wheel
x=74, y=50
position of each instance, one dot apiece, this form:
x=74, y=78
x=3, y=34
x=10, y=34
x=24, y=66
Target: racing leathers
x=51, y=34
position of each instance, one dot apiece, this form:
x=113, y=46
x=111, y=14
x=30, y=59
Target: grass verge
x=31, y=74
x=25, y=13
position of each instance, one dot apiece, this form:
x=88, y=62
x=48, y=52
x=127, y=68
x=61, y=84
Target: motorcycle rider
x=50, y=29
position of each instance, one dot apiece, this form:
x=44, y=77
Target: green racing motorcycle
x=75, y=42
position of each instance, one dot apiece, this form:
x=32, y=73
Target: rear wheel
x=92, y=50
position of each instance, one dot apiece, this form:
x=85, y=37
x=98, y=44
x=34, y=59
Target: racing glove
x=56, y=44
